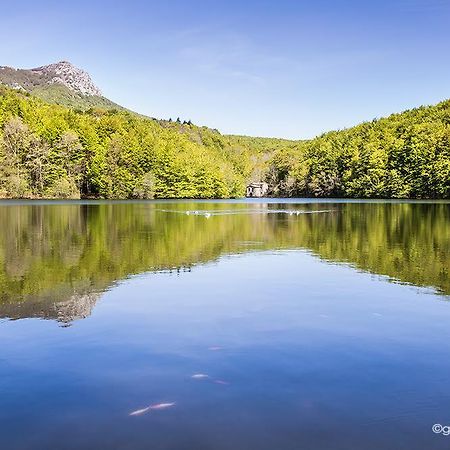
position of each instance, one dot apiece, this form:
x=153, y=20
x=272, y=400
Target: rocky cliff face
x=62, y=73
x=68, y=75
x=61, y=83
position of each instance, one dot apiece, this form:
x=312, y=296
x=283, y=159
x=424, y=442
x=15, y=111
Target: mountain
x=72, y=142
x=60, y=83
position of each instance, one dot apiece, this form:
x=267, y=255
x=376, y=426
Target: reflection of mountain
x=54, y=259
x=77, y=306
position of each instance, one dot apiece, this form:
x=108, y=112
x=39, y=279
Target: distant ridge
x=61, y=83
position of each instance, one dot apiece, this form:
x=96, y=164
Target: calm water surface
x=306, y=325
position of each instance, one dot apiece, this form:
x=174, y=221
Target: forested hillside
x=406, y=155
x=61, y=83
x=52, y=151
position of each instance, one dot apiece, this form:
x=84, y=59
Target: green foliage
x=406, y=155
x=145, y=187
x=54, y=152
x=46, y=150
x=61, y=95
x=65, y=187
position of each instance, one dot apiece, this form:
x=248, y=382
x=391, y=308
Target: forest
x=51, y=151
x=405, y=155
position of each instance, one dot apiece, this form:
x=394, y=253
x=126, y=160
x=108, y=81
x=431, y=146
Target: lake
x=226, y=325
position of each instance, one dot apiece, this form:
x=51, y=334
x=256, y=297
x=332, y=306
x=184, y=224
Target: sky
x=290, y=69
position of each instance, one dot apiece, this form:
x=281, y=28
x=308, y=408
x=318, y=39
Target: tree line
x=51, y=151
x=406, y=155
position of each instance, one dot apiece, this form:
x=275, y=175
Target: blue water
x=299, y=352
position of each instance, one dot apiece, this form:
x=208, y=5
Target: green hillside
x=61, y=95
x=39, y=84
x=405, y=155
x=50, y=151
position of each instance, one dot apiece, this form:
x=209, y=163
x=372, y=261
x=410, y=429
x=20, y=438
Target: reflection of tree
x=51, y=253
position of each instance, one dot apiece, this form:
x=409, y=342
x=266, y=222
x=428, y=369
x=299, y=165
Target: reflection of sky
x=316, y=355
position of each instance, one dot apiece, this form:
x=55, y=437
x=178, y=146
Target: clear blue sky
x=268, y=68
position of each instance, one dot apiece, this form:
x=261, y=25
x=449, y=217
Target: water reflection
x=266, y=349
x=56, y=259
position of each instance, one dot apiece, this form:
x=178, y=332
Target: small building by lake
x=257, y=190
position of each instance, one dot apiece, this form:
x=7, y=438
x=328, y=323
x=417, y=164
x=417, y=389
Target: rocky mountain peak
x=67, y=74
